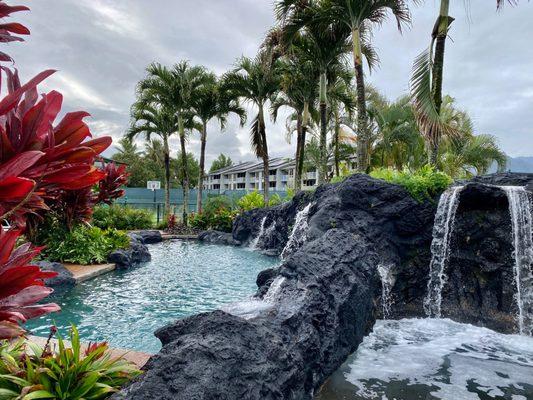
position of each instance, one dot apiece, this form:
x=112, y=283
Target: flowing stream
x=387, y=282
x=299, y=232
x=263, y=233
x=521, y=221
x=440, y=249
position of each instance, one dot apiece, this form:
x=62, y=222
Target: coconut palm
x=257, y=82
x=151, y=119
x=211, y=102
x=359, y=17
x=427, y=79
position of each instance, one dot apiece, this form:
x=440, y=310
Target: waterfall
x=387, y=282
x=440, y=249
x=299, y=232
x=274, y=289
x=522, y=226
x=263, y=233
x=255, y=242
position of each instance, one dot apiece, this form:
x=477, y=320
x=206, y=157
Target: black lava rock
x=315, y=308
x=64, y=276
x=150, y=237
x=137, y=253
x=217, y=237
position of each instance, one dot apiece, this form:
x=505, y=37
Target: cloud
x=102, y=47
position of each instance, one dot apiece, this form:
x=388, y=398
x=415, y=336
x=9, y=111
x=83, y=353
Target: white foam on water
x=450, y=361
x=440, y=249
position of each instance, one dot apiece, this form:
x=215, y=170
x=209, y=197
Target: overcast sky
x=101, y=48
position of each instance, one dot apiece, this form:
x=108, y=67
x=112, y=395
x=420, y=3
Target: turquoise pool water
x=183, y=278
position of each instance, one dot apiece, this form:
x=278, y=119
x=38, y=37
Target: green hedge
x=121, y=217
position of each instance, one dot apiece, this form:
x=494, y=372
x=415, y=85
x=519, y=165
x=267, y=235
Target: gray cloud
x=101, y=48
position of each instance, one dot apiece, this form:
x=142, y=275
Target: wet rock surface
x=217, y=237
x=64, y=276
x=137, y=252
x=325, y=296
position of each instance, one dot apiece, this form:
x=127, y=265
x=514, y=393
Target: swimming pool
x=184, y=278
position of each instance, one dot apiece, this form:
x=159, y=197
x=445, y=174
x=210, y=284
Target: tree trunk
x=336, y=142
x=266, y=167
x=167, y=174
x=185, y=183
x=202, y=168
x=363, y=139
x=443, y=24
x=323, y=167
x=299, y=149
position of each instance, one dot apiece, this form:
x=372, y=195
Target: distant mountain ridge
x=520, y=164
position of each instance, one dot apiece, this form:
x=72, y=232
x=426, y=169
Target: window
x=216, y=176
x=309, y=182
x=272, y=184
x=241, y=185
x=216, y=186
x=241, y=175
x=272, y=172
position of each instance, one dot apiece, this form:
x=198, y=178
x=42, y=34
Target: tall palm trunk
x=297, y=168
x=264, y=151
x=363, y=139
x=442, y=26
x=323, y=167
x=202, y=168
x=336, y=143
x=185, y=171
x=301, y=156
x=166, y=151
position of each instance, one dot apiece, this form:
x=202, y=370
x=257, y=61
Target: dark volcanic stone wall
x=329, y=291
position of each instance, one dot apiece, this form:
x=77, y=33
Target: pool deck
x=82, y=273
x=136, y=357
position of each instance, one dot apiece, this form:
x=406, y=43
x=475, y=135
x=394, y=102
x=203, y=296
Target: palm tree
x=151, y=118
x=257, y=82
x=298, y=90
x=359, y=17
x=426, y=82
x=210, y=102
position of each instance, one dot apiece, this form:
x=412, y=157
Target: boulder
x=150, y=237
x=217, y=237
x=64, y=276
x=137, y=253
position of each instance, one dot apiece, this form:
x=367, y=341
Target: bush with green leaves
x=251, y=201
x=122, y=217
x=219, y=220
x=423, y=184
x=83, y=245
x=29, y=371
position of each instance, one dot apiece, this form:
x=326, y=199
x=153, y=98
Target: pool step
x=136, y=357
x=82, y=273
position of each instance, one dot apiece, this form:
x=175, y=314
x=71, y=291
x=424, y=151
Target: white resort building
x=249, y=176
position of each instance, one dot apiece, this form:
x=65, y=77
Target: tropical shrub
x=122, y=218
x=422, y=184
x=21, y=285
x=29, y=371
x=220, y=220
x=251, y=201
x=216, y=203
x=82, y=245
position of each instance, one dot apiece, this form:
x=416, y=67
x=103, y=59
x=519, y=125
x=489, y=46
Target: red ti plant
x=21, y=285
x=110, y=188
x=8, y=30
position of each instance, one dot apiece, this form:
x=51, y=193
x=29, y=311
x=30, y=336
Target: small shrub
x=422, y=184
x=123, y=218
x=28, y=371
x=251, y=201
x=83, y=245
x=220, y=220
x=275, y=200
x=214, y=204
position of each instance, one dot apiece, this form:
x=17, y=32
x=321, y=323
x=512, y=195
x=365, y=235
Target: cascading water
x=387, y=282
x=263, y=233
x=299, y=232
x=255, y=242
x=522, y=225
x=440, y=249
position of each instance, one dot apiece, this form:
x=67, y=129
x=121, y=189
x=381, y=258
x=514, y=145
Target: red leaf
x=20, y=163
x=10, y=330
x=11, y=100
x=99, y=144
x=70, y=125
x=15, y=27
x=14, y=188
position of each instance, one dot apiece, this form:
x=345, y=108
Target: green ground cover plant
x=83, y=244
x=29, y=371
x=423, y=184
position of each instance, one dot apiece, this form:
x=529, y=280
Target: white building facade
x=248, y=176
